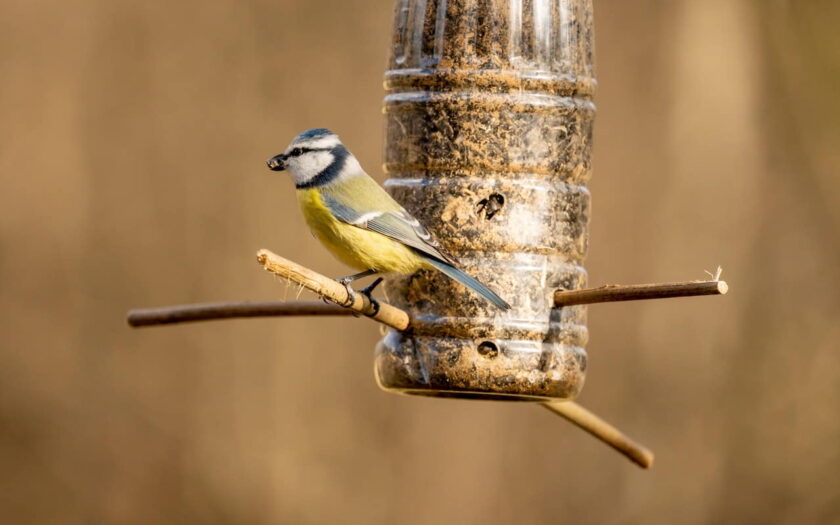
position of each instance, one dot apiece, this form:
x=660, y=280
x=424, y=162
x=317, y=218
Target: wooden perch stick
x=332, y=290
x=184, y=313
x=633, y=292
x=399, y=320
x=586, y=420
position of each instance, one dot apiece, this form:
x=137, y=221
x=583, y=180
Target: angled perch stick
x=399, y=320
x=586, y=420
x=332, y=290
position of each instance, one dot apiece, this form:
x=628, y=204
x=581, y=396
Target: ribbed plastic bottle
x=488, y=138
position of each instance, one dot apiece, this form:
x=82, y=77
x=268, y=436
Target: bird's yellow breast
x=354, y=246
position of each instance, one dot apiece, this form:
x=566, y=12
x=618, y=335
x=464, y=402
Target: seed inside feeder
x=488, y=139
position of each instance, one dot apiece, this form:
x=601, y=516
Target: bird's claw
x=373, y=302
x=351, y=295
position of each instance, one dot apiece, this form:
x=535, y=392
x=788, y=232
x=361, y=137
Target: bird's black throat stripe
x=329, y=173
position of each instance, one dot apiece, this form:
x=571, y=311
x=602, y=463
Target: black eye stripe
x=297, y=152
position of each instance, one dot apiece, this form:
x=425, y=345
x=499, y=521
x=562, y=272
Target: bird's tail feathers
x=470, y=282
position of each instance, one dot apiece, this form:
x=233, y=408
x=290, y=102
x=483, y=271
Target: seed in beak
x=277, y=162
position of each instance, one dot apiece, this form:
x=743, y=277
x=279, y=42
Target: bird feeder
x=488, y=125
x=488, y=139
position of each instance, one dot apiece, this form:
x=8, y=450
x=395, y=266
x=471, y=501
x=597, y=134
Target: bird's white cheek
x=309, y=165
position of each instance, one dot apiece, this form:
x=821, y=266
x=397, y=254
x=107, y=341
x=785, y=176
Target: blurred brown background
x=132, y=143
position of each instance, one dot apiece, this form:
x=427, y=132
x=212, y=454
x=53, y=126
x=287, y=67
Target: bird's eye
x=296, y=152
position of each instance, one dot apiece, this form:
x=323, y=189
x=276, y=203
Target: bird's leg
x=373, y=302
x=351, y=295
x=367, y=291
x=351, y=278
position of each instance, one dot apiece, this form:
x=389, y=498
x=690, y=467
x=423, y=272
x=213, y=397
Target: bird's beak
x=277, y=162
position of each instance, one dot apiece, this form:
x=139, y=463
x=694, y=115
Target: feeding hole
x=491, y=205
x=488, y=349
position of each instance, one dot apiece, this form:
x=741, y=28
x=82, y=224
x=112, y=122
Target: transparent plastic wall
x=488, y=137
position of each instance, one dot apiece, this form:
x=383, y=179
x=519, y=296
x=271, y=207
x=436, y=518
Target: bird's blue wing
x=397, y=224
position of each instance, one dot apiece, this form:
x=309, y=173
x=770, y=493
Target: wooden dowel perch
x=634, y=292
x=602, y=430
x=332, y=290
x=399, y=320
x=184, y=313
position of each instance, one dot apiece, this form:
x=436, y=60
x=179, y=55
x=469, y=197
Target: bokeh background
x=132, y=142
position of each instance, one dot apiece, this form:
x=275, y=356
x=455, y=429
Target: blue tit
x=357, y=220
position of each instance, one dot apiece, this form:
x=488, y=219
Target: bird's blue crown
x=314, y=133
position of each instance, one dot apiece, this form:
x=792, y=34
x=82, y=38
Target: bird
x=358, y=221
